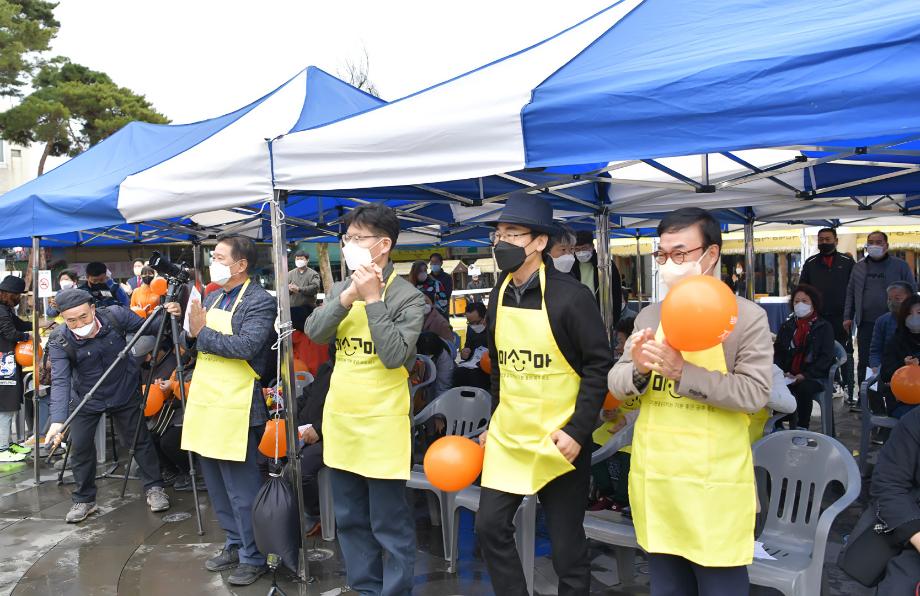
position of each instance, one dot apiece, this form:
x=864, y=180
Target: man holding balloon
x=550, y=356
x=700, y=363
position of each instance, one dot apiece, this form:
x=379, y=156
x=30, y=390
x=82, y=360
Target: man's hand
x=915, y=540
x=566, y=445
x=482, y=438
x=366, y=281
x=465, y=354
x=293, y=289
x=663, y=359
x=637, y=342
x=197, y=317
x=847, y=325
x=52, y=302
x=348, y=296
x=54, y=434
x=173, y=308
x=310, y=436
x=911, y=360
x=617, y=426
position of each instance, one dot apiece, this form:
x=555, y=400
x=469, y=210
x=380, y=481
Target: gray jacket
x=252, y=323
x=395, y=322
x=307, y=283
x=895, y=270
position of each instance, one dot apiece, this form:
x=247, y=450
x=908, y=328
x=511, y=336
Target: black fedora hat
x=13, y=284
x=529, y=212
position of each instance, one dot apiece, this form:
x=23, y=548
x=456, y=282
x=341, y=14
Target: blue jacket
x=69, y=383
x=884, y=329
x=114, y=296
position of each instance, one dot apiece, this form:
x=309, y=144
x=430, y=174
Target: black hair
x=584, y=237
x=430, y=345
x=376, y=217
x=829, y=230
x=477, y=307
x=148, y=270
x=96, y=268
x=436, y=254
x=874, y=232
x=69, y=273
x=417, y=266
x=626, y=326
x=241, y=247
x=299, y=315
x=904, y=311
x=683, y=218
x=563, y=235
x=300, y=253
x=812, y=292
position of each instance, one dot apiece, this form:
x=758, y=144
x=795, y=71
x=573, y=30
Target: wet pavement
x=126, y=549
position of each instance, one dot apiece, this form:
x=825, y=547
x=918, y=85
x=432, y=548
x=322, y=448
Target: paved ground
x=125, y=549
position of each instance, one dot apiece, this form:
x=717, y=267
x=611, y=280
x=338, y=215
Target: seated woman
x=469, y=373
x=435, y=322
x=434, y=347
x=903, y=349
x=804, y=350
x=894, y=489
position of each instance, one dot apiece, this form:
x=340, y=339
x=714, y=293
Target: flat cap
x=67, y=299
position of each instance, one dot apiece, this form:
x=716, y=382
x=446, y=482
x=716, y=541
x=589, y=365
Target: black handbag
x=868, y=550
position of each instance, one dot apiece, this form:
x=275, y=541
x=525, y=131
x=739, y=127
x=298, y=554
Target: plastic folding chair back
x=825, y=398
x=466, y=410
x=302, y=380
x=431, y=374
x=800, y=466
x=869, y=421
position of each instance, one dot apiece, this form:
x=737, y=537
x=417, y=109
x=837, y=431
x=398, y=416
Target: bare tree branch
x=357, y=74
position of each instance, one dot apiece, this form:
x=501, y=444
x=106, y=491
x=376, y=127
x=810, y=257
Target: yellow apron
x=216, y=421
x=691, y=482
x=758, y=419
x=601, y=435
x=366, y=425
x=538, y=391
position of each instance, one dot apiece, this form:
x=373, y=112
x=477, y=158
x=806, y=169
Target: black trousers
x=172, y=456
x=311, y=460
x=804, y=393
x=863, y=342
x=564, y=500
x=670, y=575
x=843, y=337
x=83, y=448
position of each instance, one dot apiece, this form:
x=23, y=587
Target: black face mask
x=147, y=280
x=509, y=257
x=826, y=249
x=99, y=287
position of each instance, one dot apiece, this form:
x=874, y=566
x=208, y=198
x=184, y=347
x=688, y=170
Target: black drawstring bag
x=868, y=550
x=274, y=519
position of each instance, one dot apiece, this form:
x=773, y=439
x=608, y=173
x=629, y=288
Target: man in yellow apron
x=550, y=360
x=375, y=318
x=691, y=481
x=226, y=414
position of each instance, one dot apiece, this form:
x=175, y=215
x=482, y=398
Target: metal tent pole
x=285, y=345
x=638, y=271
x=605, y=297
x=749, y=259
x=36, y=358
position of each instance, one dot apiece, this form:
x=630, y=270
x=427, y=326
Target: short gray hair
x=565, y=235
x=901, y=285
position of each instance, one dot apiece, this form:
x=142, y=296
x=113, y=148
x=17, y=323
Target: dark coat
x=12, y=330
x=830, y=281
x=616, y=285
x=819, y=348
x=896, y=479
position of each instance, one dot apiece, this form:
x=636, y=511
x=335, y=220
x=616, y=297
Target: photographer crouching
x=80, y=352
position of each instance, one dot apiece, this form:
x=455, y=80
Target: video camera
x=177, y=273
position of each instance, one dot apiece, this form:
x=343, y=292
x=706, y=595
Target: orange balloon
x=485, y=363
x=139, y=311
x=453, y=462
x=24, y=354
x=159, y=286
x=905, y=384
x=275, y=434
x=300, y=365
x=155, y=400
x=698, y=313
x=610, y=402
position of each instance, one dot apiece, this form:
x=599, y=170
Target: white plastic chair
x=800, y=466
x=825, y=398
x=870, y=421
x=302, y=380
x=431, y=375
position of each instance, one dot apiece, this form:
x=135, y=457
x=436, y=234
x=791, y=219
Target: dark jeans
x=311, y=460
x=804, y=393
x=172, y=456
x=374, y=518
x=863, y=342
x=670, y=575
x=232, y=487
x=843, y=337
x=83, y=448
x=564, y=500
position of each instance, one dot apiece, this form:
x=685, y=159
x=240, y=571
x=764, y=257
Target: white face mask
x=802, y=309
x=875, y=251
x=66, y=284
x=584, y=256
x=85, y=330
x=564, y=263
x=220, y=273
x=422, y=276
x=138, y=269
x=356, y=256
x=478, y=328
x=912, y=322
x=671, y=273
x=739, y=270
x=300, y=263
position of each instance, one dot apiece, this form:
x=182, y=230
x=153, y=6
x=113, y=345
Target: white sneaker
x=7, y=456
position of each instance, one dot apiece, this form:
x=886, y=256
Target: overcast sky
x=196, y=59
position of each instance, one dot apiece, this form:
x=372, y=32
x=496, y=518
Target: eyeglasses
x=496, y=237
x=348, y=238
x=677, y=256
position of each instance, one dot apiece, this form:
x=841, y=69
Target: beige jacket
x=748, y=358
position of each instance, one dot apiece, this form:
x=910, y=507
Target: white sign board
x=3, y=267
x=44, y=284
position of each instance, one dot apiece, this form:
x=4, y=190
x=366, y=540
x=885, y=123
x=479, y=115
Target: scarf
x=802, y=329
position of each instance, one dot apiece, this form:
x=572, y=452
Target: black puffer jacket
x=896, y=480
x=819, y=348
